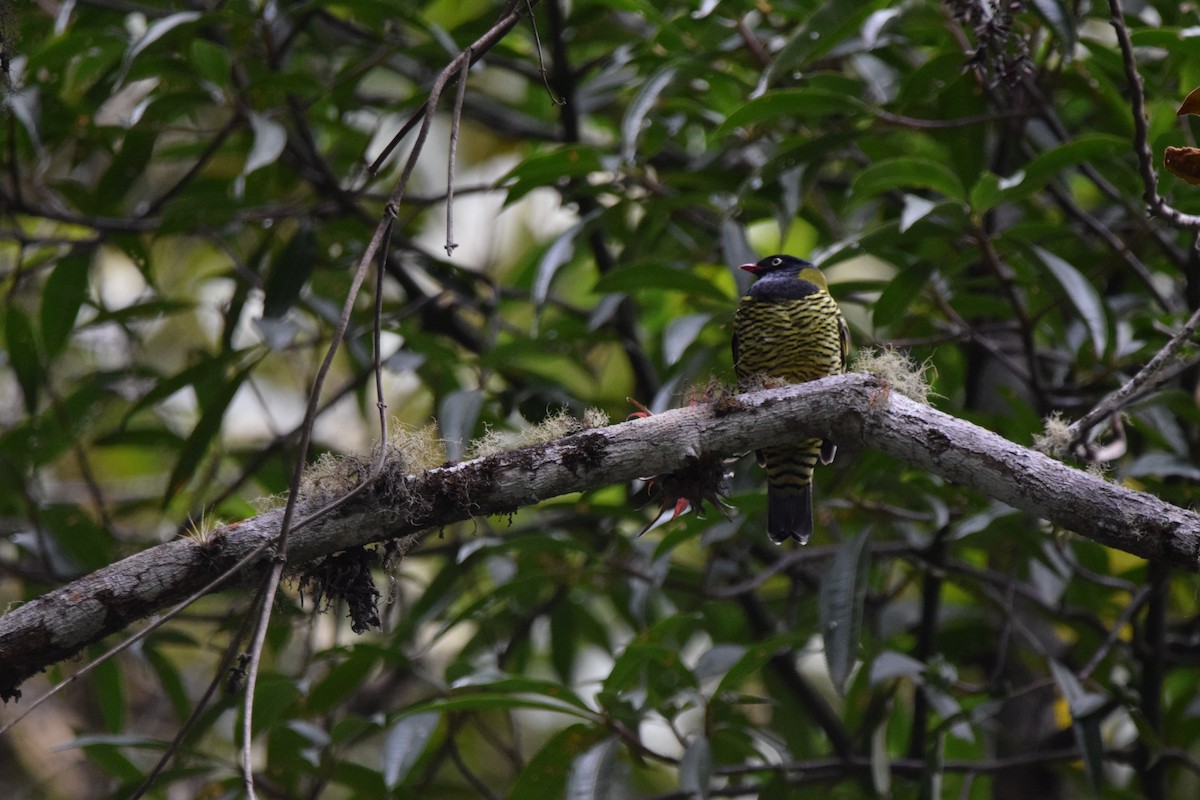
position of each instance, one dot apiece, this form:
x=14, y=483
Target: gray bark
x=854, y=410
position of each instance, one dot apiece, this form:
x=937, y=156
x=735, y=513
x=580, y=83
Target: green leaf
x=560, y=252
x=274, y=699
x=593, y=773
x=518, y=684
x=906, y=172
x=899, y=294
x=889, y=664
x=108, y=689
x=753, y=660
x=108, y=756
x=642, y=277
x=915, y=209
x=342, y=679
x=545, y=776
x=88, y=545
x=363, y=783
x=487, y=701
x=149, y=310
x=156, y=30
x=547, y=168
x=213, y=403
x=405, y=743
x=211, y=61
x=638, y=108
x=565, y=637
x=290, y=270
x=163, y=388
x=826, y=28
x=986, y=193
x=63, y=294
x=1061, y=19
x=1082, y=295
x=1081, y=702
x=269, y=140
x=23, y=355
x=806, y=103
x=124, y=173
x=1086, y=716
x=680, y=333
x=992, y=190
x=169, y=678
x=458, y=413
x=934, y=769
x=1090, y=740
x=843, y=591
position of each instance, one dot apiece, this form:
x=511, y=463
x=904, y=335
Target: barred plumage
x=788, y=328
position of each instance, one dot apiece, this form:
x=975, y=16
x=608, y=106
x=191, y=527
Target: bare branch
x=855, y=409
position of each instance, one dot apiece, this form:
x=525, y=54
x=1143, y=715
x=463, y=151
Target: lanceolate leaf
x=901, y=291
x=204, y=434
x=906, y=173
x=545, y=776
x=404, y=744
x=592, y=774
x=289, y=272
x=23, y=355
x=843, y=591
x=805, y=103
x=64, y=293
x=635, y=115
x=269, y=140
x=1082, y=295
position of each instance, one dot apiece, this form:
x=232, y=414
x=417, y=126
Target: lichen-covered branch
x=852, y=409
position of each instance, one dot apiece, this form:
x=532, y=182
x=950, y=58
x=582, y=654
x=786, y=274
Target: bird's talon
x=642, y=413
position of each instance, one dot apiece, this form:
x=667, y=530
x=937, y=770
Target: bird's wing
x=734, y=344
x=844, y=337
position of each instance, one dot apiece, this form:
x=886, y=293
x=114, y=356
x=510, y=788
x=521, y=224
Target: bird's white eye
x=775, y=262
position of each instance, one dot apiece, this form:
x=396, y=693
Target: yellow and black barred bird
x=788, y=329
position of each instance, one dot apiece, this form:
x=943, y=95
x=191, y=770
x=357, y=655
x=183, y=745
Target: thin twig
x=1154, y=673
x=219, y=676
x=1104, y=233
x=481, y=45
x=1157, y=371
x=537, y=43
x=455, y=118
x=1007, y=279
x=1114, y=634
x=377, y=346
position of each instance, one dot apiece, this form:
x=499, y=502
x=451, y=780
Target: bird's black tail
x=789, y=513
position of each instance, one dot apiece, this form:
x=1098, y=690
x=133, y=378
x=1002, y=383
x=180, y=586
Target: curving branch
x=856, y=410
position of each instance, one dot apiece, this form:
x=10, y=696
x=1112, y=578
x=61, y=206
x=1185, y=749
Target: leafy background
x=184, y=195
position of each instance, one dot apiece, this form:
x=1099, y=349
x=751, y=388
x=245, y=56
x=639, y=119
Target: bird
x=788, y=328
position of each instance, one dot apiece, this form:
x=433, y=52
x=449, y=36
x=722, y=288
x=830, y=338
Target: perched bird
x=788, y=329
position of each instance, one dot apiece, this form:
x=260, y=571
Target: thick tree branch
x=851, y=409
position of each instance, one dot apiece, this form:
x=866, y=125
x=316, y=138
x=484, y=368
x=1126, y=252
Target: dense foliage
x=187, y=187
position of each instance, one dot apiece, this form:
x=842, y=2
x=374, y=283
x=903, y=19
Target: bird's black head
x=778, y=263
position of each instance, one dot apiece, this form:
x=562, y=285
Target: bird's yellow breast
x=794, y=340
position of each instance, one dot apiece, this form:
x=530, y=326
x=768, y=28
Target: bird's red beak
x=751, y=268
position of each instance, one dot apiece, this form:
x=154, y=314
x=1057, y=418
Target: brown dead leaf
x=1183, y=162
x=1190, y=104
